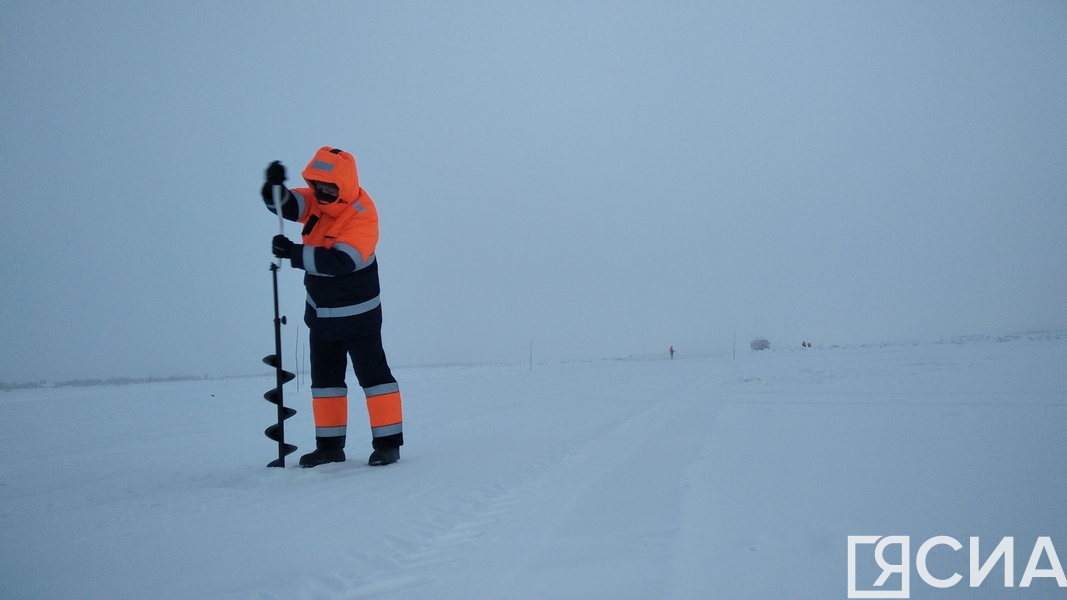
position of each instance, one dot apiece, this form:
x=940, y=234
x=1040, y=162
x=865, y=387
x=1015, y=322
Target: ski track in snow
x=685, y=478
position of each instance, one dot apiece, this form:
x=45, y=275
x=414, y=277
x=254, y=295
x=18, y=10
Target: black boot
x=327, y=450
x=322, y=456
x=386, y=455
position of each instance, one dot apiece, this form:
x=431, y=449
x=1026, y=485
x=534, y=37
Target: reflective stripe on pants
x=385, y=410
x=330, y=406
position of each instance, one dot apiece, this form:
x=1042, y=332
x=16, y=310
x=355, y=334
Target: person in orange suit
x=343, y=310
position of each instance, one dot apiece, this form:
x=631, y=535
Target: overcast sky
x=603, y=178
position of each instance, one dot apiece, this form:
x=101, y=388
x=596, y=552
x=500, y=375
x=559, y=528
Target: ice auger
x=276, y=432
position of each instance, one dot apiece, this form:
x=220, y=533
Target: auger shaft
x=276, y=432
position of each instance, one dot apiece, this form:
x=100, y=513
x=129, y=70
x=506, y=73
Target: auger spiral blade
x=272, y=360
x=273, y=396
x=276, y=432
x=280, y=462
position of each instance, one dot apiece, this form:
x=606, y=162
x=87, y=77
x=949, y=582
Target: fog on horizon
x=600, y=179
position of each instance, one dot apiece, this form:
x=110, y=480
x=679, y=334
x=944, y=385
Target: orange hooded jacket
x=352, y=219
x=337, y=253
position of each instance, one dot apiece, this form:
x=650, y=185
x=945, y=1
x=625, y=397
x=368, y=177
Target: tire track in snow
x=615, y=499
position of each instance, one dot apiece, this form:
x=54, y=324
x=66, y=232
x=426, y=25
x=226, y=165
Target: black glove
x=275, y=173
x=281, y=246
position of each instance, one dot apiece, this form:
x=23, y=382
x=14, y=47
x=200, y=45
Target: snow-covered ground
x=684, y=478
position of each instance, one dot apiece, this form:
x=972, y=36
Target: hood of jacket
x=338, y=167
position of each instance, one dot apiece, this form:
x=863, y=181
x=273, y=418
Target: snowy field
x=684, y=478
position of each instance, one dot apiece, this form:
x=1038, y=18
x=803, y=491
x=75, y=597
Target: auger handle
x=276, y=194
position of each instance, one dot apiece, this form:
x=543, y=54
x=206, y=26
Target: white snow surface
x=685, y=478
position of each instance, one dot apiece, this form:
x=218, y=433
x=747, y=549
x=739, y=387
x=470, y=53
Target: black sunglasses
x=325, y=192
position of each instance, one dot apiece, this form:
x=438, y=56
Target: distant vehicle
x=760, y=344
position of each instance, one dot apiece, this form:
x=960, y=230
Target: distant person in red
x=672, y=351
